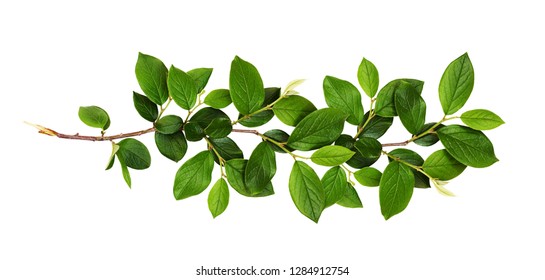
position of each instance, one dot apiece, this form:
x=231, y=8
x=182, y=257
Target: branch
x=51, y=132
x=404, y=143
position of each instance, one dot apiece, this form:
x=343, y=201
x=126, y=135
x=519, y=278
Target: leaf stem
x=163, y=109
x=199, y=103
x=350, y=173
x=371, y=115
x=221, y=159
x=266, y=108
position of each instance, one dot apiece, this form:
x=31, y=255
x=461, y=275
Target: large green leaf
x=318, y=129
x=334, y=183
x=342, y=95
x=409, y=156
x=468, y=146
x=260, y=169
x=219, y=128
x=376, y=127
x=368, y=176
x=145, y=107
x=481, y=119
x=235, y=169
x=368, y=77
x=369, y=149
x=443, y=166
x=134, y=154
x=456, y=84
x=200, y=76
x=292, y=109
x=395, y=189
x=245, y=86
x=172, y=146
x=226, y=148
x=218, y=198
x=385, y=105
x=169, y=124
x=410, y=107
x=306, y=191
x=206, y=115
x=350, y=199
x=94, y=116
x=182, y=88
x=194, y=175
x=261, y=118
x=193, y=131
x=331, y=155
x=152, y=74
x=218, y=98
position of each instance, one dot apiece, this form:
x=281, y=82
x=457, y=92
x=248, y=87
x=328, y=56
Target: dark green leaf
x=182, y=88
x=218, y=198
x=395, y=189
x=245, y=86
x=410, y=107
x=256, y=120
x=430, y=138
x=368, y=77
x=318, y=129
x=441, y=165
x=385, y=105
x=152, y=74
x=201, y=77
x=194, y=175
x=234, y=170
x=134, y=154
x=94, y=116
x=306, y=191
x=206, y=115
x=226, y=148
x=342, y=95
x=278, y=136
x=406, y=155
x=125, y=172
x=468, y=146
x=169, y=124
x=376, y=127
x=334, y=183
x=331, y=155
x=271, y=95
x=456, y=84
x=193, y=131
x=172, y=146
x=481, y=119
x=219, y=128
x=260, y=169
x=357, y=160
x=368, y=176
x=292, y=109
x=350, y=199
x=145, y=107
x=369, y=149
x=218, y=98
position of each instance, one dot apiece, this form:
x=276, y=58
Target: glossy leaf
x=194, y=176
x=219, y=128
x=218, y=98
x=206, y=115
x=357, y=160
x=331, y=155
x=235, y=170
x=145, y=107
x=182, y=88
x=385, y=105
x=395, y=189
x=334, y=183
x=152, y=74
x=172, y=146
x=193, y=131
x=456, y=84
x=481, y=119
x=292, y=109
x=369, y=148
x=245, y=86
x=201, y=77
x=318, y=129
x=430, y=138
x=279, y=136
x=94, y=116
x=218, y=198
x=226, y=148
x=350, y=199
x=368, y=176
x=468, y=146
x=409, y=156
x=376, y=127
x=368, y=77
x=133, y=153
x=169, y=124
x=260, y=169
x=443, y=166
x=410, y=107
x=258, y=119
x=306, y=191
x=342, y=95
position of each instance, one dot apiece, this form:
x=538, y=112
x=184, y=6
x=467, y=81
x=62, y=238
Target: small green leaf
x=234, y=170
x=279, y=136
x=441, y=165
x=245, y=86
x=200, y=76
x=271, y=95
x=410, y=107
x=172, y=146
x=219, y=128
x=260, y=169
x=481, y=119
x=369, y=149
x=182, y=88
x=306, y=191
x=169, y=124
x=376, y=127
x=226, y=148
x=145, y=107
x=134, y=154
x=152, y=74
x=368, y=77
x=218, y=198
x=256, y=120
x=193, y=131
x=218, y=98
x=468, y=146
x=331, y=155
x=111, y=160
x=342, y=95
x=206, y=115
x=395, y=189
x=385, y=105
x=350, y=199
x=292, y=109
x=94, y=116
x=409, y=156
x=194, y=176
x=430, y=138
x=334, y=183
x=125, y=172
x=456, y=84
x=368, y=176
x=320, y=128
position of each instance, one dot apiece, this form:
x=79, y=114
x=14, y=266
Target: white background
x=63, y=217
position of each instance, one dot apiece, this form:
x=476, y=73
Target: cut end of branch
x=43, y=130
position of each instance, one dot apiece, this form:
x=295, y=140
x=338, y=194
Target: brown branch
x=404, y=143
x=252, y=131
x=51, y=132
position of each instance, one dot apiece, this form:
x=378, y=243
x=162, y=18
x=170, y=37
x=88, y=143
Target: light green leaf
x=218, y=198
x=218, y=98
x=260, y=169
x=219, y=128
x=334, y=183
x=145, y=107
x=368, y=77
x=292, y=109
x=292, y=85
x=169, y=124
x=134, y=154
x=350, y=199
x=111, y=160
x=94, y=116
x=245, y=86
x=331, y=155
x=234, y=170
x=409, y=156
x=410, y=107
x=182, y=88
x=395, y=189
x=320, y=128
x=376, y=127
x=194, y=176
x=306, y=191
x=226, y=148
x=200, y=76
x=172, y=146
x=481, y=119
x=468, y=146
x=125, y=172
x=152, y=74
x=342, y=95
x=443, y=166
x=456, y=84
x=368, y=176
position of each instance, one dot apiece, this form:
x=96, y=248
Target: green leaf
x=409, y=156
x=320, y=128
x=200, y=76
x=376, y=127
x=152, y=74
x=111, y=160
x=219, y=128
x=169, y=124
x=206, y=115
x=226, y=148
x=182, y=88
x=245, y=86
x=292, y=109
x=370, y=150
x=441, y=165
x=194, y=176
x=342, y=95
x=350, y=199
x=218, y=98
x=260, y=169
x=172, y=146
x=368, y=77
x=395, y=189
x=430, y=138
x=410, y=107
x=94, y=116
x=134, y=154
x=218, y=198
x=468, y=146
x=261, y=118
x=193, y=131
x=368, y=176
x=481, y=119
x=334, y=183
x=456, y=84
x=271, y=95
x=145, y=107
x=306, y=191
x=125, y=172
x=234, y=170
x=331, y=155
x=385, y=105
x=279, y=136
